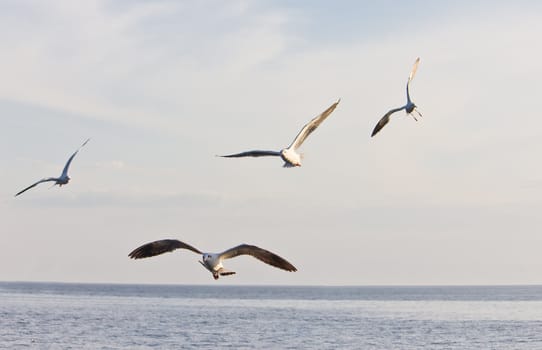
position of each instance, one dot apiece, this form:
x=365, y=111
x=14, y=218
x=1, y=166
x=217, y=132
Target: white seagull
x=289, y=155
x=409, y=107
x=63, y=179
x=212, y=261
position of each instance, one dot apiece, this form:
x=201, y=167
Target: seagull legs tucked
x=213, y=263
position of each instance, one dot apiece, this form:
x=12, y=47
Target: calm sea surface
x=105, y=316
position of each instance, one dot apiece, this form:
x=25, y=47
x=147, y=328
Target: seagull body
x=409, y=107
x=212, y=261
x=63, y=179
x=289, y=155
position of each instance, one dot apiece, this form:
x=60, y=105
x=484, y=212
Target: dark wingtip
x=136, y=254
x=288, y=266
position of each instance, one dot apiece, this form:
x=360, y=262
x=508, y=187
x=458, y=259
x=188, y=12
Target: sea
x=119, y=316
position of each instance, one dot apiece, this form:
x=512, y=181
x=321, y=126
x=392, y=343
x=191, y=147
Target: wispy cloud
x=100, y=59
x=164, y=86
x=110, y=199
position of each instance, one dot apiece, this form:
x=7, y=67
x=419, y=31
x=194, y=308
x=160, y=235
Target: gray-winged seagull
x=212, y=261
x=289, y=155
x=409, y=107
x=63, y=179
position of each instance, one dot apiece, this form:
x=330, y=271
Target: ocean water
x=105, y=316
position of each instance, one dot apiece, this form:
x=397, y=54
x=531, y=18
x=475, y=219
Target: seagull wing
x=311, y=126
x=414, y=69
x=385, y=119
x=260, y=254
x=160, y=247
x=67, y=166
x=255, y=153
x=47, y=179
x=411, y=76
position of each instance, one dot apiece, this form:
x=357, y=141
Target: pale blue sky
x=163, y=86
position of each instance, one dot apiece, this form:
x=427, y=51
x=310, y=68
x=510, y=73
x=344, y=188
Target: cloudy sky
x=161, y=87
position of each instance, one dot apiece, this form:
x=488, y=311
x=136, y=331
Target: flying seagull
x=212, y=261
x=63, y=179
x=409, y=107
x=289, y=155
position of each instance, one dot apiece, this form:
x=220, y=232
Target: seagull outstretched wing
x=414, y=69
x=260, y=254
x=311, y=126
x=47, y=179
x=410, y=77
x=160, y=247
x=385, y=119
x=67, y=166
x=255, y=153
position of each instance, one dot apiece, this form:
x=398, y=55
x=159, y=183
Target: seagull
x=289, y=155
x=409, y=107
x=212, y=261
x=63, y=179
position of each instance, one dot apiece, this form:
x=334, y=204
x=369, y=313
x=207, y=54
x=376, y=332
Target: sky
x=163, y=87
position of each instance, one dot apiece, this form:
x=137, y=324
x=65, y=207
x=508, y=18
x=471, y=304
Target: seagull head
x=291, y=157
x=207, y=257
x=63, y=180
x=410, y=107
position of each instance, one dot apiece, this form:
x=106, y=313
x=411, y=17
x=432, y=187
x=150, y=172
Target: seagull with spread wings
x=409, y=107
x=290, y=155
x=212, y=261
x=63, y=179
